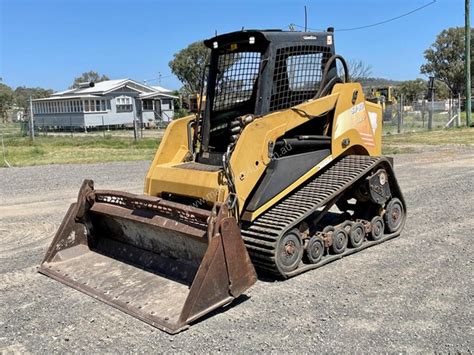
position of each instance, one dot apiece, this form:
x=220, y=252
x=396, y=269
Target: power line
x=373, y=24
x=388, y=20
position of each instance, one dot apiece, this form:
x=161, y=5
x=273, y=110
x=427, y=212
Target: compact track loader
x=280, y=172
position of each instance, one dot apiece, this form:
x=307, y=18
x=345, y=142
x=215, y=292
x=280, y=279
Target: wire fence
x=68, y=126
x=398, y=117
x=421, y=115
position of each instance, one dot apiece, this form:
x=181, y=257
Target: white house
x=107, y=103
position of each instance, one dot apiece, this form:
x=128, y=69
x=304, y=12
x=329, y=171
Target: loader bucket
x=163, y=262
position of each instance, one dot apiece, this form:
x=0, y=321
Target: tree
x=442, y=91
x=6, y=101
x=358, y=70
x=413, y=89
x=189, y=64
x=445, y=59
x=22, y=95
x=90, y=76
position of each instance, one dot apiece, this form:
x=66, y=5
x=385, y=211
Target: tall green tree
x=22, y=95
x=6, y=101
x=413, y=89
x=88, y=77
x=189, y=64
x=445, y=59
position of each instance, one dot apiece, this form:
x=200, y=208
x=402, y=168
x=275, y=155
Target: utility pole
x=467, y=63
x=32, y=124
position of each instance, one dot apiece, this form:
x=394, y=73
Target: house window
x=86, y=105
x=92, y=105
x=148, y=105
x=102, y=103
x=124, y=104
x=166, y=104
x=80, y=106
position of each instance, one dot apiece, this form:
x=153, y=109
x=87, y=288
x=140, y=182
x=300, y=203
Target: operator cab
x=258, y=72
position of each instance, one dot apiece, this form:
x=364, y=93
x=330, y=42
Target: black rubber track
x=262, y=235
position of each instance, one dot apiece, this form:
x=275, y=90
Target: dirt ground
x=411, y=294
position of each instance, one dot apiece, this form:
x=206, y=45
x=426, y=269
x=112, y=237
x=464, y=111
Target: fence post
x=5, y=154
x=135, y=133
x=103, y=126
x=431, y=112
x=423, y=109
x=70, y=126
x=458, y=120
x=399, y=123
x=32, y=124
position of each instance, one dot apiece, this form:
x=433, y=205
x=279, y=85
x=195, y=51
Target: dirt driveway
x=413, y=293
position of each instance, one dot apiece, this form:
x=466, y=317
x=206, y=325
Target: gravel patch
x=411, y=294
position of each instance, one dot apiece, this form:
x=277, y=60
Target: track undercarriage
x=352, y=205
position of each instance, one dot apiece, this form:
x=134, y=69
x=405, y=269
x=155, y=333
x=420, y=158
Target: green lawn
x=62, y=149
x=20, y=151
x=463, y=135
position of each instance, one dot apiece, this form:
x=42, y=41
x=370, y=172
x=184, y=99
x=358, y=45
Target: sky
x=46, y=43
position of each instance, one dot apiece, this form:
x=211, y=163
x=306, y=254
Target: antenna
x=305, y=19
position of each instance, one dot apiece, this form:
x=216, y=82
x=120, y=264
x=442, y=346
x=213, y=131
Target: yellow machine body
x=356, y=129
x=280, y=171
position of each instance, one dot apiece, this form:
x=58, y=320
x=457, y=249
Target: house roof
x=66, y=97
x=104, y=87
x=162, y=89
x=151, y=95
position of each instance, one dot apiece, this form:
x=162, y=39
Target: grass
x=460, y=136
x=63, y=149
x=10, y=129
x=20, y=151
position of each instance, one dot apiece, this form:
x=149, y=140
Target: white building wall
x=112, y=116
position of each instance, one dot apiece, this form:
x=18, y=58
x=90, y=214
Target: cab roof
x=268, y=36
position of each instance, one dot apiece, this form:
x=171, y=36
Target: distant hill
x=369, y=82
